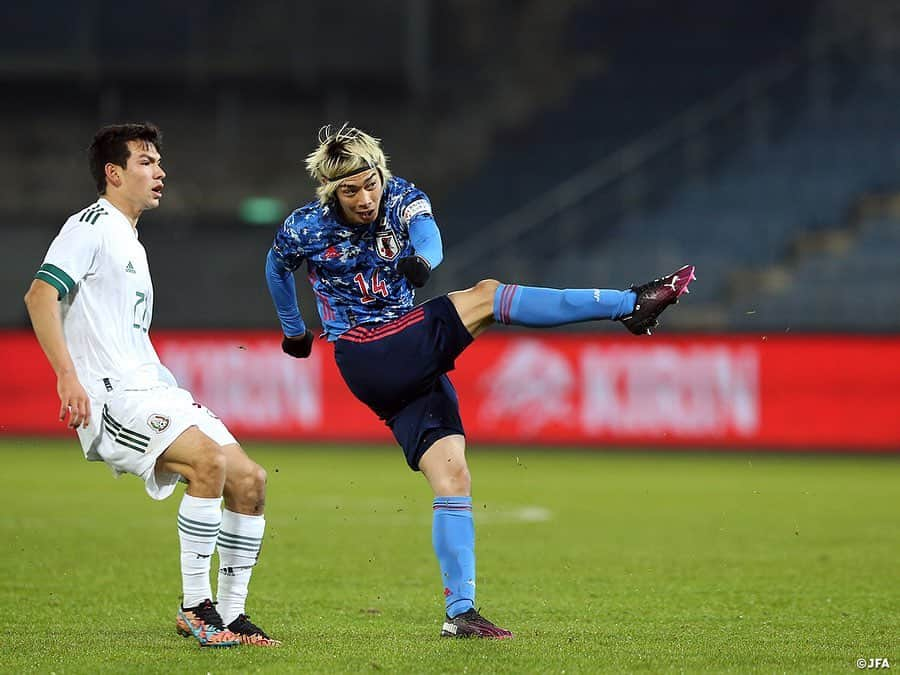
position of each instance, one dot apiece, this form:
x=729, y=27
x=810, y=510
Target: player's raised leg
x=202, y=463
x=638, y=307
x=240, y=539
x=453, y=535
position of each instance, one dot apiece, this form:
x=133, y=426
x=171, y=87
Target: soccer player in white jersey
x=91, y=303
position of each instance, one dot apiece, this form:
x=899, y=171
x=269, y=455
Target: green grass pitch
x=599, y=562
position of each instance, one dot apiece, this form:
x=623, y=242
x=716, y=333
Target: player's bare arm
x=43, y=308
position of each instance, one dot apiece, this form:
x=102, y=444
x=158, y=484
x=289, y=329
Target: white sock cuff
x=240, y=539
x=198, y=521
x=205, y=505
x=243, y=525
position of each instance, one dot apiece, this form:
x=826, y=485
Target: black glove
x=299, y=347
x=415, y=268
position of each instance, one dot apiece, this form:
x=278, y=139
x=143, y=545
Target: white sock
x=198, y=528
x=239, y=543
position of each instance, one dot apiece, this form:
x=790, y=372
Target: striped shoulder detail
x=92, y=214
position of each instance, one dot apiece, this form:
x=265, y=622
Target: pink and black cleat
x=654, y=296
x=472, y=625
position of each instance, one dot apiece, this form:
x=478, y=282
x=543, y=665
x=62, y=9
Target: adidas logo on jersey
x=130, y=268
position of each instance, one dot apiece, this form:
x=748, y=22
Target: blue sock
x=453, y=536
x=544, y=307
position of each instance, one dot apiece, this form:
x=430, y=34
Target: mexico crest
x=386, y=244
x=159, y=423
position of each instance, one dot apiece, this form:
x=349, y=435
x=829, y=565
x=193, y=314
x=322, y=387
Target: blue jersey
x=353, y=268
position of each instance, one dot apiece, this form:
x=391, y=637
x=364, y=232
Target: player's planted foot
x=205, y=624
x=251, y=634
x=472, y=625
x=654, y=296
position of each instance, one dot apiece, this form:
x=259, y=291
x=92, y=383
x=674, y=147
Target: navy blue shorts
x=399, y=369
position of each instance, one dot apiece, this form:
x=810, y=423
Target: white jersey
x=100, y=270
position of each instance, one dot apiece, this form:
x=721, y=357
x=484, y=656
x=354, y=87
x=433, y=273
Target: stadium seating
x=651, y=72
x=855, y=288
x=749, y=215
x=236, y=135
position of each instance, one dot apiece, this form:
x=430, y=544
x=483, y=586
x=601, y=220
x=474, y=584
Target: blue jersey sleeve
x=285, y=256
x=288, y=246
x=416, y=216
x=426, y=239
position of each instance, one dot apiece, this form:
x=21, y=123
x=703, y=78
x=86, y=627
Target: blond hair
x=342, y=153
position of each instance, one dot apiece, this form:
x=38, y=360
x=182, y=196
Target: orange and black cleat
x=204, y=623
x=251, y=634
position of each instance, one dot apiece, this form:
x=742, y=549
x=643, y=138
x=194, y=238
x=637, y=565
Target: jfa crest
x=386, y=243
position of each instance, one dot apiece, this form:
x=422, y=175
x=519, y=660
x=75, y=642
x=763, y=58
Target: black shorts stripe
x=137, y=436
x=122, y=436
x=121, y=441
x=119, y=438
x=134, y=436
x=128, y=443
x=109, y=418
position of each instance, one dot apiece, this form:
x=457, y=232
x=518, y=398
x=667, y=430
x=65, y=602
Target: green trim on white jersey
x=57, y=278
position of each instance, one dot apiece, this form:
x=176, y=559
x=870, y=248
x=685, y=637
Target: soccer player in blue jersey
x=369, y=240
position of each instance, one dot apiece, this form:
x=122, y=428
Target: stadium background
x=563, y=144
x=566, y=143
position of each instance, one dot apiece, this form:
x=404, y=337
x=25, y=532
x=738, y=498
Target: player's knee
x=261, y=478
x=487, y=288
x=245, y=488
x=457, y=481
x=464, y=481
x=254, y=483
x=209, y=462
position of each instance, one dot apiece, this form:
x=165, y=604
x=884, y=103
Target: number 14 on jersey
x=377, y=287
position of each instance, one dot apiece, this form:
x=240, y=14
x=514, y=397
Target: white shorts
x=130, y=429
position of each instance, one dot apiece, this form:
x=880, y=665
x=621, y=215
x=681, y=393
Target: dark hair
x=110, y=146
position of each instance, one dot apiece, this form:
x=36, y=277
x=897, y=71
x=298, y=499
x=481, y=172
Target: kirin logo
x=531, y=385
